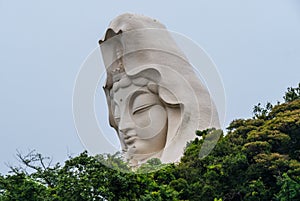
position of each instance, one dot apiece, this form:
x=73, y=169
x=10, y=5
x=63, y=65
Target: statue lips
x=130, y=137
x=129, y=140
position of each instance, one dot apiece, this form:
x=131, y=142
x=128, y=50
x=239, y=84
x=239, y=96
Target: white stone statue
x=155, y=100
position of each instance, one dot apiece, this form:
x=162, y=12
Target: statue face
x=141, y=119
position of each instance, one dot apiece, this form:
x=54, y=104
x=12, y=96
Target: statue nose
x=125, y=125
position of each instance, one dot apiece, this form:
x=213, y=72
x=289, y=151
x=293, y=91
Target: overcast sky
x=254, y=44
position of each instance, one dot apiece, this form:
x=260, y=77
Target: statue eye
x=142, y=108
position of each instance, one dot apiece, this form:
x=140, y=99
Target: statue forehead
x=124, y=93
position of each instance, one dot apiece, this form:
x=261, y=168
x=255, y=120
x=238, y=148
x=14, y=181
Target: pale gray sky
x=255, y=45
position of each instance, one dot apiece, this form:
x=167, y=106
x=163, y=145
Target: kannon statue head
x=155, y=100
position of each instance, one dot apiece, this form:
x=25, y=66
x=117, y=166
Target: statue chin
x=136, y=160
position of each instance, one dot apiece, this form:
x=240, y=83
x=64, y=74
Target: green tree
x=290, y=189
x=292, y=94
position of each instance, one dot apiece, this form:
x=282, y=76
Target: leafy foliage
x=292, y=94
x=258, y=159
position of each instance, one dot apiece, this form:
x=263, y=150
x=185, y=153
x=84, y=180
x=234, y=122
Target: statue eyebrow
x=149, y=102
x=141, y=107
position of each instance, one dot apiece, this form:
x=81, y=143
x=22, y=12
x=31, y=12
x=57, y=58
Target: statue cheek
x=156, y=123
x=142, y=119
